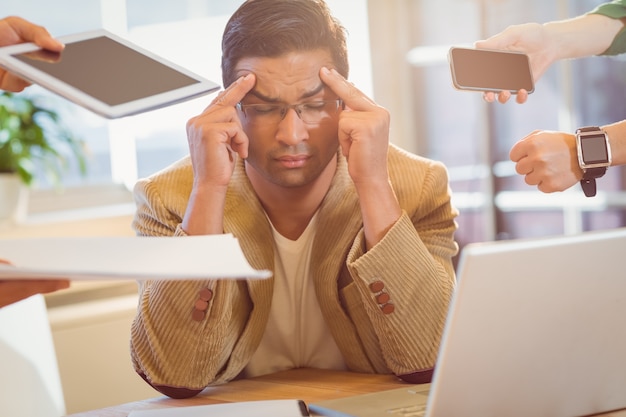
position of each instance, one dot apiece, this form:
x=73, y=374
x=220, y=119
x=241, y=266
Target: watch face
x=594, y=149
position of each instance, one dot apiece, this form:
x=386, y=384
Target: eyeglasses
x=311, y=112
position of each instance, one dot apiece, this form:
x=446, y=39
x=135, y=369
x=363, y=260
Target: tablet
x=105, y=74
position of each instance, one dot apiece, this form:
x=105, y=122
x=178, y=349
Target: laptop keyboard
x=408, y=401
x=409, y=411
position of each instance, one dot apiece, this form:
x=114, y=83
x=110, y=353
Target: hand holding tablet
x=105, y=74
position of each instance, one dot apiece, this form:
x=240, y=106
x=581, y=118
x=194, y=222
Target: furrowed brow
x=268, y=99
x=313, y=92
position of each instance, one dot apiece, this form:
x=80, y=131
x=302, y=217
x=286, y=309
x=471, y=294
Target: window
x=187, y=32
x=473, y=138
x=398, y=53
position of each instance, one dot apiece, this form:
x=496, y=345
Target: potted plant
x=33, y=140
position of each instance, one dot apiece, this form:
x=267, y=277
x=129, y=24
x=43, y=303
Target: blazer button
x=205, y=294
x=201, y=304
x=388, y=308
x=382, y=298
x=377, y=286
x=197, y=315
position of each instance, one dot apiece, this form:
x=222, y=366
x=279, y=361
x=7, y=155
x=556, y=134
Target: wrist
x=205, y=211
x=375, y=191
x=617, y=142
x=380, y=210
x=557, y=41
x=582, y=36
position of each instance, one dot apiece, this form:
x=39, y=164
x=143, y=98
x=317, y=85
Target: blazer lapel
x=339, y=222
x=245, y=219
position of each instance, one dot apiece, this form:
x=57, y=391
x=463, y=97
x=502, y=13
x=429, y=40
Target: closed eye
x=314, y=105
x=265, y=108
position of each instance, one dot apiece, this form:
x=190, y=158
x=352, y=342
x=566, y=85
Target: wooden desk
x=310, y=385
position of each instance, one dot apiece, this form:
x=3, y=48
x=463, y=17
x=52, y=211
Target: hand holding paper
x=136, y=258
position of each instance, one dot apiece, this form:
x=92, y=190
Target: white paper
x=129, y=257
x=263, y=408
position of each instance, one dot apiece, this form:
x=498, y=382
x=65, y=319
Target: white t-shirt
x=296, y=334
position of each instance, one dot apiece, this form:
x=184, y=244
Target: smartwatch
x=594, y=156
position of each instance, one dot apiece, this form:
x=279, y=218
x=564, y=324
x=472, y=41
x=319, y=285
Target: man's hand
x=214, y=137
x=12, y=291
x=364, y=140
x=363, y=131
x=16, y=290
x=548, y=160
x=529, y=38
x=216, y=134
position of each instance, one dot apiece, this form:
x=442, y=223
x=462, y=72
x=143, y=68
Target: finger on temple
x=235, y=92
x=347, y=92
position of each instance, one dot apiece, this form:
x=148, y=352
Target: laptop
x=537, y=327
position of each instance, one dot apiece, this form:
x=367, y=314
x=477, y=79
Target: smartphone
x=490, y=70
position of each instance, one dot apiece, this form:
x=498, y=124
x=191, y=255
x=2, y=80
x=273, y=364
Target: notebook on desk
x=537, y=327
x=263, y=408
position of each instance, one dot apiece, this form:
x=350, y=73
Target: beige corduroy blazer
x=412, y=262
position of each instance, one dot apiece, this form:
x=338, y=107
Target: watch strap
x=594, y=173
x=588, y=129
x=588, y=186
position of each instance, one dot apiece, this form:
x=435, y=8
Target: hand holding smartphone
x=490, y=70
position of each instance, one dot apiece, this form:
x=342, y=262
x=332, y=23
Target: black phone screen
x=488, y=70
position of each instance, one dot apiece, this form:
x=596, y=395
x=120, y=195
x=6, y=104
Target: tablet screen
x=108, y=70
x=106, y=74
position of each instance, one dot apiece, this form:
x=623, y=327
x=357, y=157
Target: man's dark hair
x=271, y=28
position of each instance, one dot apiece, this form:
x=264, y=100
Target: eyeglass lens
x=312, y=112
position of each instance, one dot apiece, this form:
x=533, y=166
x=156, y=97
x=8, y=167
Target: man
x=295, y=162
x=14, y=30
x=549, y=159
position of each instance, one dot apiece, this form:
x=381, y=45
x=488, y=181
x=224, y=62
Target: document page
x=266, y=408
x=128, y=257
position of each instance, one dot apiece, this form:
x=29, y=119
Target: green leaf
x=33, y=137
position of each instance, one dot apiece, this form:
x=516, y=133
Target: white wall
x=93, y=353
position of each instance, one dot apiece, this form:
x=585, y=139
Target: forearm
x=171, y=348
x=380, y=210
x=205, y=211
x=419, y=279
x=582, y=36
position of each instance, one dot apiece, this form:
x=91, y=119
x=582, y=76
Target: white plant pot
x=13, y=199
